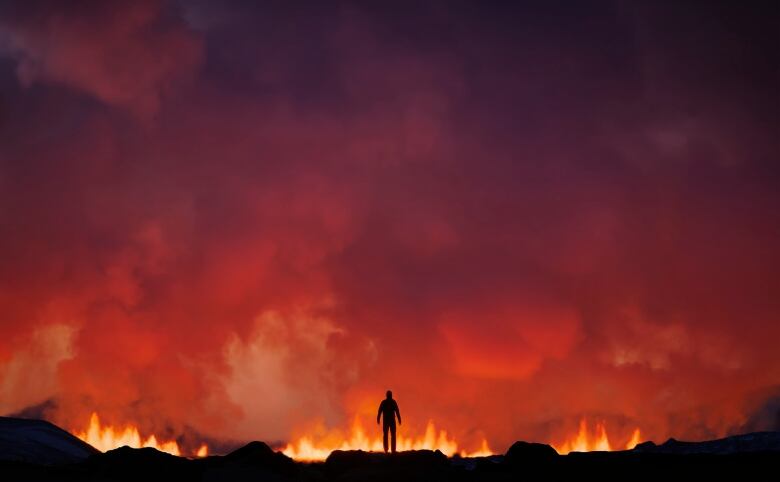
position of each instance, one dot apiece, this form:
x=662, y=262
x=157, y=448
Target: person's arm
x=379, y=412
x=398, y=413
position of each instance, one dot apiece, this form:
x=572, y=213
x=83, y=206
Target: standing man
x=389, y=410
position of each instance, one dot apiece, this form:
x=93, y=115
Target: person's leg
x=392, y=433
x=385, y=427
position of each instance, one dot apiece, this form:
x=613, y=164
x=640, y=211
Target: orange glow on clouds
x=107, y=437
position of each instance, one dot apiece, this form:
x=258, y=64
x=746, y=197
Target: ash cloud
x=251, y=218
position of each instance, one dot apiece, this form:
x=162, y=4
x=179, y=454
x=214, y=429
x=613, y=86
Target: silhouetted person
x=388, y=410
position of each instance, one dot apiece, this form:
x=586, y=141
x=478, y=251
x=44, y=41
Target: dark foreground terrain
x=36, y=450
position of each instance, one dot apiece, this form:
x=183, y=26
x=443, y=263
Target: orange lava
x=310, y=448
x=586, y=440
x=106, y=438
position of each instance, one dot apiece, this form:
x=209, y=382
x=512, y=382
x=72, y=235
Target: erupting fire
x=587, y=441
x=309, y=449
x=106, y=438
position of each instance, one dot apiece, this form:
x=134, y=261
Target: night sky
x=243, y=219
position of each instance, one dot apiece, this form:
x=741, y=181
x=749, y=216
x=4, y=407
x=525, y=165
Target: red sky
x=238, y=220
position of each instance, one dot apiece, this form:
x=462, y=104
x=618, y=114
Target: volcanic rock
x=751, y=442
x=524, y=453
x=126, y=463
x=28, y=447
x=40, y=442
x=259, y=454
x=410, y=465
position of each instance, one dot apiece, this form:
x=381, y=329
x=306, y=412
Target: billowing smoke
x=244, y=220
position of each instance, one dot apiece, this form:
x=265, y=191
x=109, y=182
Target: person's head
x=389, y=394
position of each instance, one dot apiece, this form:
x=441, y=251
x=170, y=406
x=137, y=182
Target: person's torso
x=389, y=408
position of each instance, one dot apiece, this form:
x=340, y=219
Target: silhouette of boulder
x=525, y=453
x=40, y=442
x=259, y=454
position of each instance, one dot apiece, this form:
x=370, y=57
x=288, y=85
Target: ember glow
x=241, y=219
x=105, y=438
x=594, y=439
x=318, y=447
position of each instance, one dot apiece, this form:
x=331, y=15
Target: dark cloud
x=125, y=54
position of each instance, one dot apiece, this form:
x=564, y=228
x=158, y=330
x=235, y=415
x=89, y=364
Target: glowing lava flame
x=587, y=441
x=109, y=438
x=309, y=449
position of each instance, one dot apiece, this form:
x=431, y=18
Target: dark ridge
x=422, y=465
x=33, y=450
x=751, y=442
x=40, y=442
x=129, y=455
